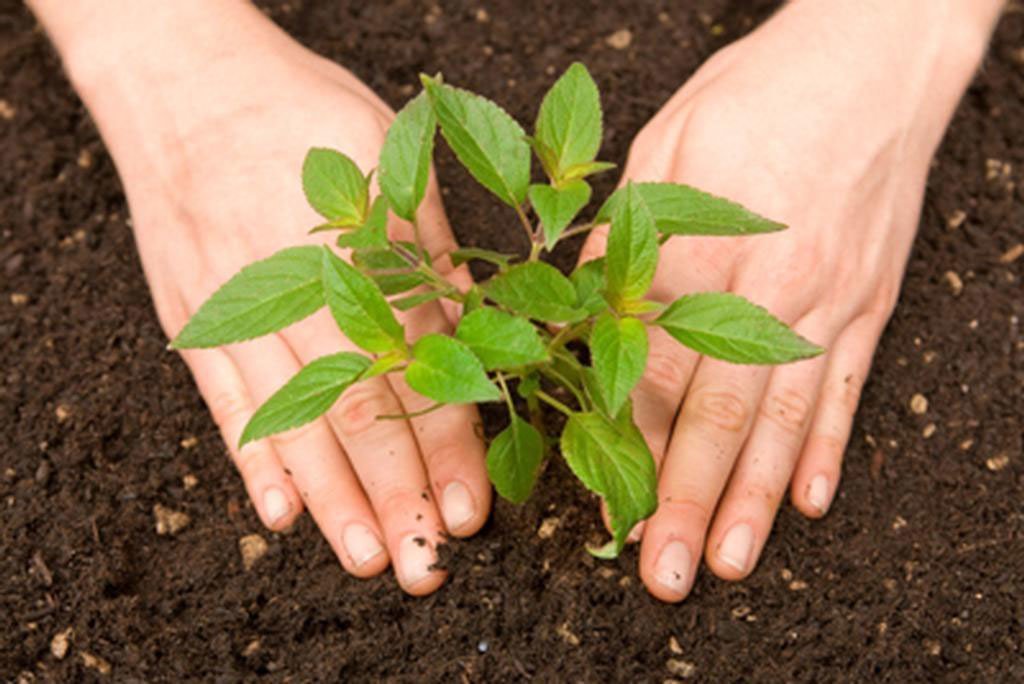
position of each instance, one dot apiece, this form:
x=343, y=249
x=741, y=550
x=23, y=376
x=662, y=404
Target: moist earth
x=916, y=574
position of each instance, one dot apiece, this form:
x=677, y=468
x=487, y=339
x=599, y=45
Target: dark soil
x=917, y=574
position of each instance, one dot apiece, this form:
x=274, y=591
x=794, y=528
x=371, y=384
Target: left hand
x=836, y=144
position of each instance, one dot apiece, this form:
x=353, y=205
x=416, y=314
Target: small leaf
x=536, y=290
x=335, y=187
x=359, y=307
x=557, y=207
x=412, y=301
x=391, y=272
x=464, y=254
x=588, y=169
x=569, y=120
x=264, y=297
x=501, y=340
x=513, y=459
x=405, y=157
x=385, y=363
x=728, y=327
x=683, y=210
x=632, y=253
x=614, y=462
x=445, y=370
x=590, y=282
x=307, y=396
x=474, y=300
x=372, y=234
x=618, y=349
x=528, y=385
x=487, y=141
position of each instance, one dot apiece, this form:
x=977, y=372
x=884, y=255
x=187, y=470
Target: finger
x=713, y=424
x=224, y=390
x=385, y=457
x=317, y=464
x=818, y=469
x=762, y=473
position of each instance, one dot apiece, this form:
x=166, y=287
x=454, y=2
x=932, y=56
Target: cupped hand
x=837, y=146
x=212, y=166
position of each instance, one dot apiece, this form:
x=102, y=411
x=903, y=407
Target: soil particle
x=680, y=668
x=95, y=662
x=1012, y=254
x=956, y=285
x=919, y=404
x=169, y=521
x=620, y=40
x=61, y=642
x=252, y=547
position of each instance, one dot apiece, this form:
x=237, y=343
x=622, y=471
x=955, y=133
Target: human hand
x=825, y=120
x=210, y=156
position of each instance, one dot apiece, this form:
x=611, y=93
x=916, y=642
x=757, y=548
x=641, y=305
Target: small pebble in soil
x=797, y=585
x=252, y=547
x=673, y=645
x=169, y=521
x=966, y=444
x=740, y=612
x=956, y=285
x=919, y=404
x=1012, y=254
x=482, y=16
x=94, y=662
x=786, y=574
x=956, y=219
x=84, y=159
x=251, y=649
x=680, y=668
x=932, y=647
x=567, y=634
x=899, y=523
x=19, y=299
x=7, y=112
x=189, y=481
x=189, y=442
x=43, y=472
x=63, y=412
x=998, y=462
x=929, y=430
x=60, y=643
x=482, y=647
x=929, y=356
x=620, y=40
x=547, y=528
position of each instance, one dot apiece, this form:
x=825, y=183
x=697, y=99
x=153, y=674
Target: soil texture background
x=916, y=574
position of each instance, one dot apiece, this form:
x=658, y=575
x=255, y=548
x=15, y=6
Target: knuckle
x=789, y=409
x=688, y=505
x=445, y=457
x=666, y=373
x=826, y=446
x=228, y=407
x=395, y=499
x=723, y=409
x=356, y=412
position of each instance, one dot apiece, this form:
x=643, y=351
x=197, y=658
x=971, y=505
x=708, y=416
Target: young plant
x=527, y=326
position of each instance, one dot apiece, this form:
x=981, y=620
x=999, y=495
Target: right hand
x=211, y=163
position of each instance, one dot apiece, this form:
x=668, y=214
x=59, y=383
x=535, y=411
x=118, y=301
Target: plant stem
x=551, y=401
x=420, y=264
x=508, y=396
x=577, y=230
x=566, y=335
x=550, y=371
x=530, y=233
x=414, y=414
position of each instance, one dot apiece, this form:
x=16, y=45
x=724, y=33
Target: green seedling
x=530, y=337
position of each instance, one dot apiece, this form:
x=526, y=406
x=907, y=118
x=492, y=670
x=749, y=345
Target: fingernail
x=735, y=549
x=415, y=558
x=673, y=567
x=457, y=505
x=275, y=505
x=361, y=543
x=818, y=494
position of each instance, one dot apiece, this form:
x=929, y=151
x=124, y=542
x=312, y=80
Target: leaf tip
x=609, y=551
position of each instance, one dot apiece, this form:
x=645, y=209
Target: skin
x=208, y=108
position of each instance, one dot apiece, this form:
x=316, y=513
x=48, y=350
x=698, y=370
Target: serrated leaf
x=614, y=462
x=557, y=207
x=587, y=169
x=683, y=210
x=618, y=352
x=412, y=301
x=385, y=363
x=590, y=282
x=569, y=120
x=536, y=290
x=359, y=307
x=447, y=371
x=391, y=272
x=372, y=234
x=631, y=256
x=306, y=396
x=335, y=187
x=500, y=340
x=487, y=141
x=513, y=459
x=728, y=327
x=405, y=156
x=464, y=254
x=474, y=300
x=262, y=298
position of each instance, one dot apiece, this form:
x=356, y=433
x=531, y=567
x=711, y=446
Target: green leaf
x=728, y=327
x=474, y=300
x=335, y=187
x=488, y=142
x=536, y=290
x=528, y=385
x=590, y=282
x=632, y=253
x=392, y=273
x=513, y=459
x=386, y=363
x=464, y=254
x=359, y=307
x=587, y=169
x=371, y=235
x=683, y=210
x=613, y=461
x=405, y=157
x=569, y=120
x=618, y=351
x=557, y=207
x=447, y=371
x=414, y=300
x=307, y=396
x=501, y=340
x=262, y=298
